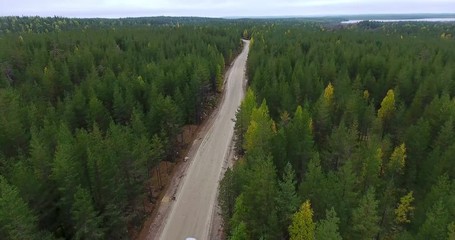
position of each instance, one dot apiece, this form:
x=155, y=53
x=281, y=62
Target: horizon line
x=448, y=14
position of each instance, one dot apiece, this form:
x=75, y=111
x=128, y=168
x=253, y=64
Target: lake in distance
x=402, y=20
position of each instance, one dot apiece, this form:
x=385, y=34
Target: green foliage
x=287, y=201
x=387, y=106
x=299, y=139
x=80, y=108
x=16, y=219
x=370, y=163
x=365, y=219
x=404, y=209
x=239, y=233
x=341, y=146
x=243, y=118
x=303, y=227
x=451, y=231
x=436, y=223
x=226, y=197
x=397, y=159
x=310, y=187
x=86, y=116
x=258, y=137
x=377, y=112
x=328, y=227
x=259, y=200
x=87, y=220
x=441, y=191
x=238, y=215
x=339, y=185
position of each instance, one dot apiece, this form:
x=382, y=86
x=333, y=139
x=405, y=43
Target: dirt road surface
x=190, y=213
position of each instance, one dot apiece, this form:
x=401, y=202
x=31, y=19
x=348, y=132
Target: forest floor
x=171, y=174
x=162, y=176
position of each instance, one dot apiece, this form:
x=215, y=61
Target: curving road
x=191, y=213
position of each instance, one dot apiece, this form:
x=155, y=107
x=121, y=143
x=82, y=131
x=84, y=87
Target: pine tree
x=443, y=190
x=418, y=138
x=49, y=82
x=300, y=139
x=327, y=228
x=219, y=78
x=404, y=209
x=323, y=114
x=328, y=94
x=436, y=222
x=243, y=118
x=17, y=221
x=76, y=109
x=259, y=199
x=157, y=154
x=345, y=188
x=239, y=233
x=40, y=154
x=97, y=113
x=286, y=200
x=341, y=146
x=370, y=163
x=137, y=123
x=260, y=132
x=313, y=184
x=451, y=231
x=67, y=172
x=239, y=215
x=226, y=198
x=303, y=227
x=87, y=222
x=365, y=219
x=119, y=107
x=279, y=148
x=397, y=159
x=387, y=110
x=387, y=106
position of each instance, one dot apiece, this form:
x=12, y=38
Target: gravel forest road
x=195, y=200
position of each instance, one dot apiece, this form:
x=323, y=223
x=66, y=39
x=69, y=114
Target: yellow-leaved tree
x=404, y=209
x=328, y=94
x=451, y=229
x=260, y=131
x=387, y=106
x=397, y=159
x=302, y=226
x=323, y=112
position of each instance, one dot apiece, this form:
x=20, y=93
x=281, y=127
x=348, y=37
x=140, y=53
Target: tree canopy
x=89, y=107
x=364, y=115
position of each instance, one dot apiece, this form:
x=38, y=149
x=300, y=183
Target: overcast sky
x=218, y=8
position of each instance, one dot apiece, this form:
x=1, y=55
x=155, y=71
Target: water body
x=402, y=20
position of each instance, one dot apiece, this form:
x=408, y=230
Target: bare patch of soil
x=161, y=177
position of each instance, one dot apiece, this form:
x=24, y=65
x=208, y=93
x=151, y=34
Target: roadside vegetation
x=87, y=112
x=346, y=132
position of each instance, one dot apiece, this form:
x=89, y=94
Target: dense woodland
x=85, y=114
x=346, y=132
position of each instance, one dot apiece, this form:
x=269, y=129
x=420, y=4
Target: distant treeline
x=51, y=24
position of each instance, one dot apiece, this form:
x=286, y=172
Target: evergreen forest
x=346, y=132
x=87, y=113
